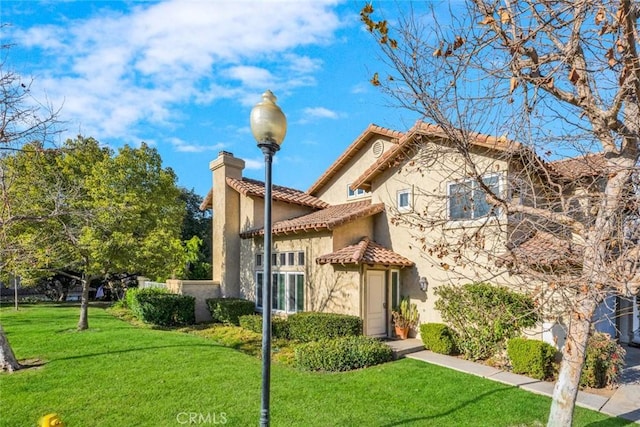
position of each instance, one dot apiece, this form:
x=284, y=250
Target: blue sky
x=183, y=75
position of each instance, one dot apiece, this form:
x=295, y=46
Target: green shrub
x=603, y=362
x=311, y=326
x=532, y=358
x=438, y=338
x=484, y=316
x=229, y=310
x=165, y=309
x=131, y=301
x=341, y=354
x=253, y=322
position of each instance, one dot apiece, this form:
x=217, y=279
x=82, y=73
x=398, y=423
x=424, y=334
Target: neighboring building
x=356, y=241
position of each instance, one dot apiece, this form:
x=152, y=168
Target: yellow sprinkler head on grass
x=50, y=420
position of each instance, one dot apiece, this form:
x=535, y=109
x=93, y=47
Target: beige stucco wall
x=327, y=289
x=335, y=191
x=226, y=223
x=201, y=290
x=252, y=211
x=407, y=233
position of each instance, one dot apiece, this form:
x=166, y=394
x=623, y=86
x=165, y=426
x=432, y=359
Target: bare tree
x=22, y=120
x=563, y=79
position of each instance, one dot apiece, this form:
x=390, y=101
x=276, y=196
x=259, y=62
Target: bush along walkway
x=623, y=403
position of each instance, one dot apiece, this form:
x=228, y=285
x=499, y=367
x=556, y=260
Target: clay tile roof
x=365, y=252
x=579, y=167
x=207, y=202
x=252, y=187
x=325, y=219
x=543, y=249
x=389, y=158
x=351, y=151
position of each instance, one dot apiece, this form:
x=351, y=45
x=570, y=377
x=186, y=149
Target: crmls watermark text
x=201, y=418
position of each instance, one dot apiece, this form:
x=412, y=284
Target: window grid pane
x=291, y=293
x=259, y=284
x=460, y=201
x=299, y=292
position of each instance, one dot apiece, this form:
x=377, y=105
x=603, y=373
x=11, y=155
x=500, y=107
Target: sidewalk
x=624, y=403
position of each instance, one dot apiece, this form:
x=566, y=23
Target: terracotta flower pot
x=402, y=333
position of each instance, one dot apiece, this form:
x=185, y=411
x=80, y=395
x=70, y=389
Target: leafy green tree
x=118, y=213
x=196, y=235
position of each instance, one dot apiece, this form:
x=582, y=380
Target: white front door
x=376, y=316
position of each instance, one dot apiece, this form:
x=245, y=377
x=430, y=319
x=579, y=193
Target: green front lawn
x=118, y=375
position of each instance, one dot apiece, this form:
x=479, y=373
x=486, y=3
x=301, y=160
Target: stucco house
x=354, y=242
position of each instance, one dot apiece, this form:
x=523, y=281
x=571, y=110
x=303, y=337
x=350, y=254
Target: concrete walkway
x=624, y=403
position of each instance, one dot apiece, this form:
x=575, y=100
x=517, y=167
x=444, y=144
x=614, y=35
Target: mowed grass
x=116, y=374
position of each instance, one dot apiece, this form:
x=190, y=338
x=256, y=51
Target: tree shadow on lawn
x=130, y=350
x=604, y=423
x=450, y=411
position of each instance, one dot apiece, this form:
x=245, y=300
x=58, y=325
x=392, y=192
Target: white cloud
x=184, y=147
x=114, y=70
x=320, y=113
x=254, y=164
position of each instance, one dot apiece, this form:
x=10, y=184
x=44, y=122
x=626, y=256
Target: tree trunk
x=83, y=322
x=8, y=361
x=573, y=353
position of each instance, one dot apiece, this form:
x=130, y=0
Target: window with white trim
x=287, y=281
x=287, y=291
x=404, y=200
x=358, y=192
x=467, y=199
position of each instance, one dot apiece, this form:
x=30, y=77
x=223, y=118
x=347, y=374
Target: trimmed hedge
x=311, y=326
x=438, y=338
x=253, y=322
x=341, y=354
x=531, y=357
x=165, y=309
x=229, y=310
x=131, y=298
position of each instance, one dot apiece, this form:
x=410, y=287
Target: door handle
x=384, y=305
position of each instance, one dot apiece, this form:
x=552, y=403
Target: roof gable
x=351, y=152
x=390, y=158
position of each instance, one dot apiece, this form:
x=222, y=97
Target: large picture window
x=287, y=291
x=467, y=199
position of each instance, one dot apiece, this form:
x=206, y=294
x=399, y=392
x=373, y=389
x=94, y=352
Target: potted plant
x=405, y=317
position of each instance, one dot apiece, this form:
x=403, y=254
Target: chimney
x=225, y=205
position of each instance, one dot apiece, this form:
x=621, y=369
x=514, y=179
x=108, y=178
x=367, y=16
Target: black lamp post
x=269, y=126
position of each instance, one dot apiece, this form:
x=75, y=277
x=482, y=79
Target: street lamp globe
x=268, y=123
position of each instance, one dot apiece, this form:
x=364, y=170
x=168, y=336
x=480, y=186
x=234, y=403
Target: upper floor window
x=358, y=192
x=282, y=259
x=404, y=200
x=468, y=200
